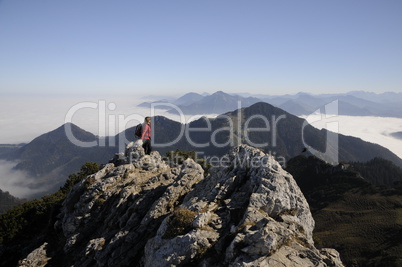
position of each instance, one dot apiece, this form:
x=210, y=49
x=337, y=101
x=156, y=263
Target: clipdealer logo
x=325, y=118
x=238, y=129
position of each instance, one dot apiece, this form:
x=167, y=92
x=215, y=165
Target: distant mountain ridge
x=288, y=139
x=149, y=104
x=357, y=103
x=216, y=103
x=188, y=98
x=386, y=97
x=196, y=104
x=352, y=104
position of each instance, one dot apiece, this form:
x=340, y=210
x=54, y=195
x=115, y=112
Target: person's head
x=147, y=120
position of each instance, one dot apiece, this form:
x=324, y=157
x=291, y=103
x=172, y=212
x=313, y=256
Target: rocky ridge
x=249, y=212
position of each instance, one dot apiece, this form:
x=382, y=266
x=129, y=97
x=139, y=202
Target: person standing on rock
x=146, y=135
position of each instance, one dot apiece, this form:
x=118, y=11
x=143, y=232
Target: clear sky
x=164, y=46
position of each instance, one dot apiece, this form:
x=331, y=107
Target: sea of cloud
x=377, y=130
x=23, y=119
x=16, y=182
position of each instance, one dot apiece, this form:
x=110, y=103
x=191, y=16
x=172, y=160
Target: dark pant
x=147, y=146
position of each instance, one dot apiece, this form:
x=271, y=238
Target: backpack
x=138, y=130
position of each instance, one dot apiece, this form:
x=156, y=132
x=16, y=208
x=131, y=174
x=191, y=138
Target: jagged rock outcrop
x=38, y=257
x=247, y=212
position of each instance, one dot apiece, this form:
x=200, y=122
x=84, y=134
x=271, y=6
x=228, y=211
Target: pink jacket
x=146, y=131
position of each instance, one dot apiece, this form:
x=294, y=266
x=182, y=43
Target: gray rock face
x=249, y=212
x=37, y=257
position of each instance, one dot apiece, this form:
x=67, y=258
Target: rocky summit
x=246, y=212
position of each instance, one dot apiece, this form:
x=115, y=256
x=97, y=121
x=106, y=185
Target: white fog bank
x=16, y=182
x=372, y=129
x=23, y=119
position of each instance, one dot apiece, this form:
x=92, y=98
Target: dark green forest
x=360, y=220
x=379, y=171
x=7, y=201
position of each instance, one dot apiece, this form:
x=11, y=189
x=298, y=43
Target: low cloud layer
x=23, y=119
x=16, y=182
x=377, y=130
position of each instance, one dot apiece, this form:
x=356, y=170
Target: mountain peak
x=219, y=94
x=248, y=210
x=188, y=98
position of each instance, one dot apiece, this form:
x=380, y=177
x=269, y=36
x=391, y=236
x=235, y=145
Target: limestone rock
x=249, y=212
x=37, y=257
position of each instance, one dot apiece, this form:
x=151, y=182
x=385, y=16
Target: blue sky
x=169, y=46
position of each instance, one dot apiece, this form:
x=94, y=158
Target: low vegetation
x=179, y=223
